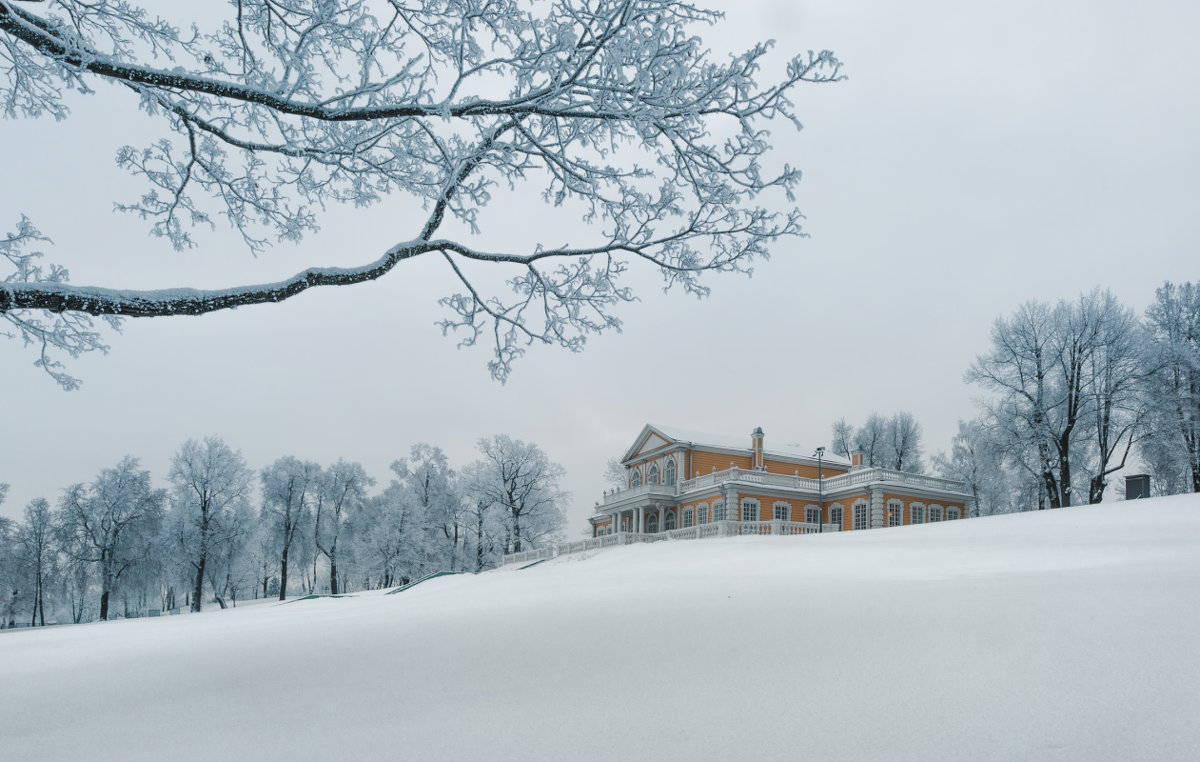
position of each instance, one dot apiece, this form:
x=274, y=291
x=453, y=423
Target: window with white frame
x=860, y=515
x=952, y=514
x=718, y=511
x=702, y=513
x=812, y=514
x=749, y=510
x=895, y=513
x=651, y=524
x=687, y=517
x=636, y=479
x=782, y=511
x=935, y=513
x=670, y=472
x=835, y=515
x=652, y=476
x=669, y=521
x=917, y=513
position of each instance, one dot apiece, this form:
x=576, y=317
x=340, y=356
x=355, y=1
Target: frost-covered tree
x=232, y=567
x=841, y=436
x=1114, y=381
x=902, y=443
x=520, y=479
x=485, y=520
x=615, y=474
x=387, y=537
x=975, y=461
x=615, y=111
x=1035, y=366
x=109, y=522
x=288, y=487
x=210, y=483
x=1173, y=388
x=894, y=442
x=340, y=493
x=1066, y=380
x=38, y=554
x=10, y=588
x=430, y=481
x=871, y=438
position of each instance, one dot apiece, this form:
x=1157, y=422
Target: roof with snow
x=678, y=435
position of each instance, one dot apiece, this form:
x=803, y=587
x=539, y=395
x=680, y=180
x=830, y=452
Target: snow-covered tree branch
x=614, y=110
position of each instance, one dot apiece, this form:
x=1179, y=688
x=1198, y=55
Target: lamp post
x=820, y=493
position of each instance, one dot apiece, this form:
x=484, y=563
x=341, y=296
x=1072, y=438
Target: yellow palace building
x=688, y=484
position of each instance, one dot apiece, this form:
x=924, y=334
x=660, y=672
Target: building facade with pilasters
x=697, y=485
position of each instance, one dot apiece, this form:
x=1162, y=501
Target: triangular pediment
x=650, y=440
x=653, y=442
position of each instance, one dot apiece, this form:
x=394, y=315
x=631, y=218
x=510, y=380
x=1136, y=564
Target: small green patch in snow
x=320, y=595
x=416, y=582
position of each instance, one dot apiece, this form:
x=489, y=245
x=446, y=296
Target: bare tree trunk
x=479, y=541
x=198, y=589
x=283, y=575
x=333, y=579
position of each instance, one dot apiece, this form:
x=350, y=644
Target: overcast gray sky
x=980, y=154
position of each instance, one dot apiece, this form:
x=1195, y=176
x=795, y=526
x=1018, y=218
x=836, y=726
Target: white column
x=661, y=517
x=638, y=529
x=616, y=522
x=878, y=518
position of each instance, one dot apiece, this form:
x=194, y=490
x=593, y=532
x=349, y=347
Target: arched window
x=812, y=514
x=652, y=524
x=935, y=512
x=652, y=477
x=702, y=513
x=749, y=510
x=670, y=472
x=916, y=513
x=895, y=513
x=687, y=517
x=952, y=514
x=782, y=511
x=636, y=479
x=669, y=521
x=860, y=515
x=835, y=516
x=718, y=511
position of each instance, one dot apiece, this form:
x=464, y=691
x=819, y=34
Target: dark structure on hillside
x=1137, y=486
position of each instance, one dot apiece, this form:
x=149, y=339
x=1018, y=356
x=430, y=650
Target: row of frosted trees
x=221, y=532
x=1078, y=391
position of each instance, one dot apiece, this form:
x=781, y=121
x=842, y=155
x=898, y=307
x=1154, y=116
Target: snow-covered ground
x=1064, y=635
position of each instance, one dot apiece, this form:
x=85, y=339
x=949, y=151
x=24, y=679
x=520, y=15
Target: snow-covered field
x=1065, y=635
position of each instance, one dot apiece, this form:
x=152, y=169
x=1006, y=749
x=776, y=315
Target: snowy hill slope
x=1065, y=635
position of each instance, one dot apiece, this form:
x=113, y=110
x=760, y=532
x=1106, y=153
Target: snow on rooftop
x=1058, y=635
x=743, y=443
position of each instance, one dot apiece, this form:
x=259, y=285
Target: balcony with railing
x=739, y=477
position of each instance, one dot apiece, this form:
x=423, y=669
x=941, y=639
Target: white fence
x=698, y=532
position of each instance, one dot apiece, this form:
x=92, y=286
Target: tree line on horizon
x=1077, y=391
x=221, y=532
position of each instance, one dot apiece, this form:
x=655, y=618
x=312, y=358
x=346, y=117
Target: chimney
x=756, y=444
x=856, y=459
